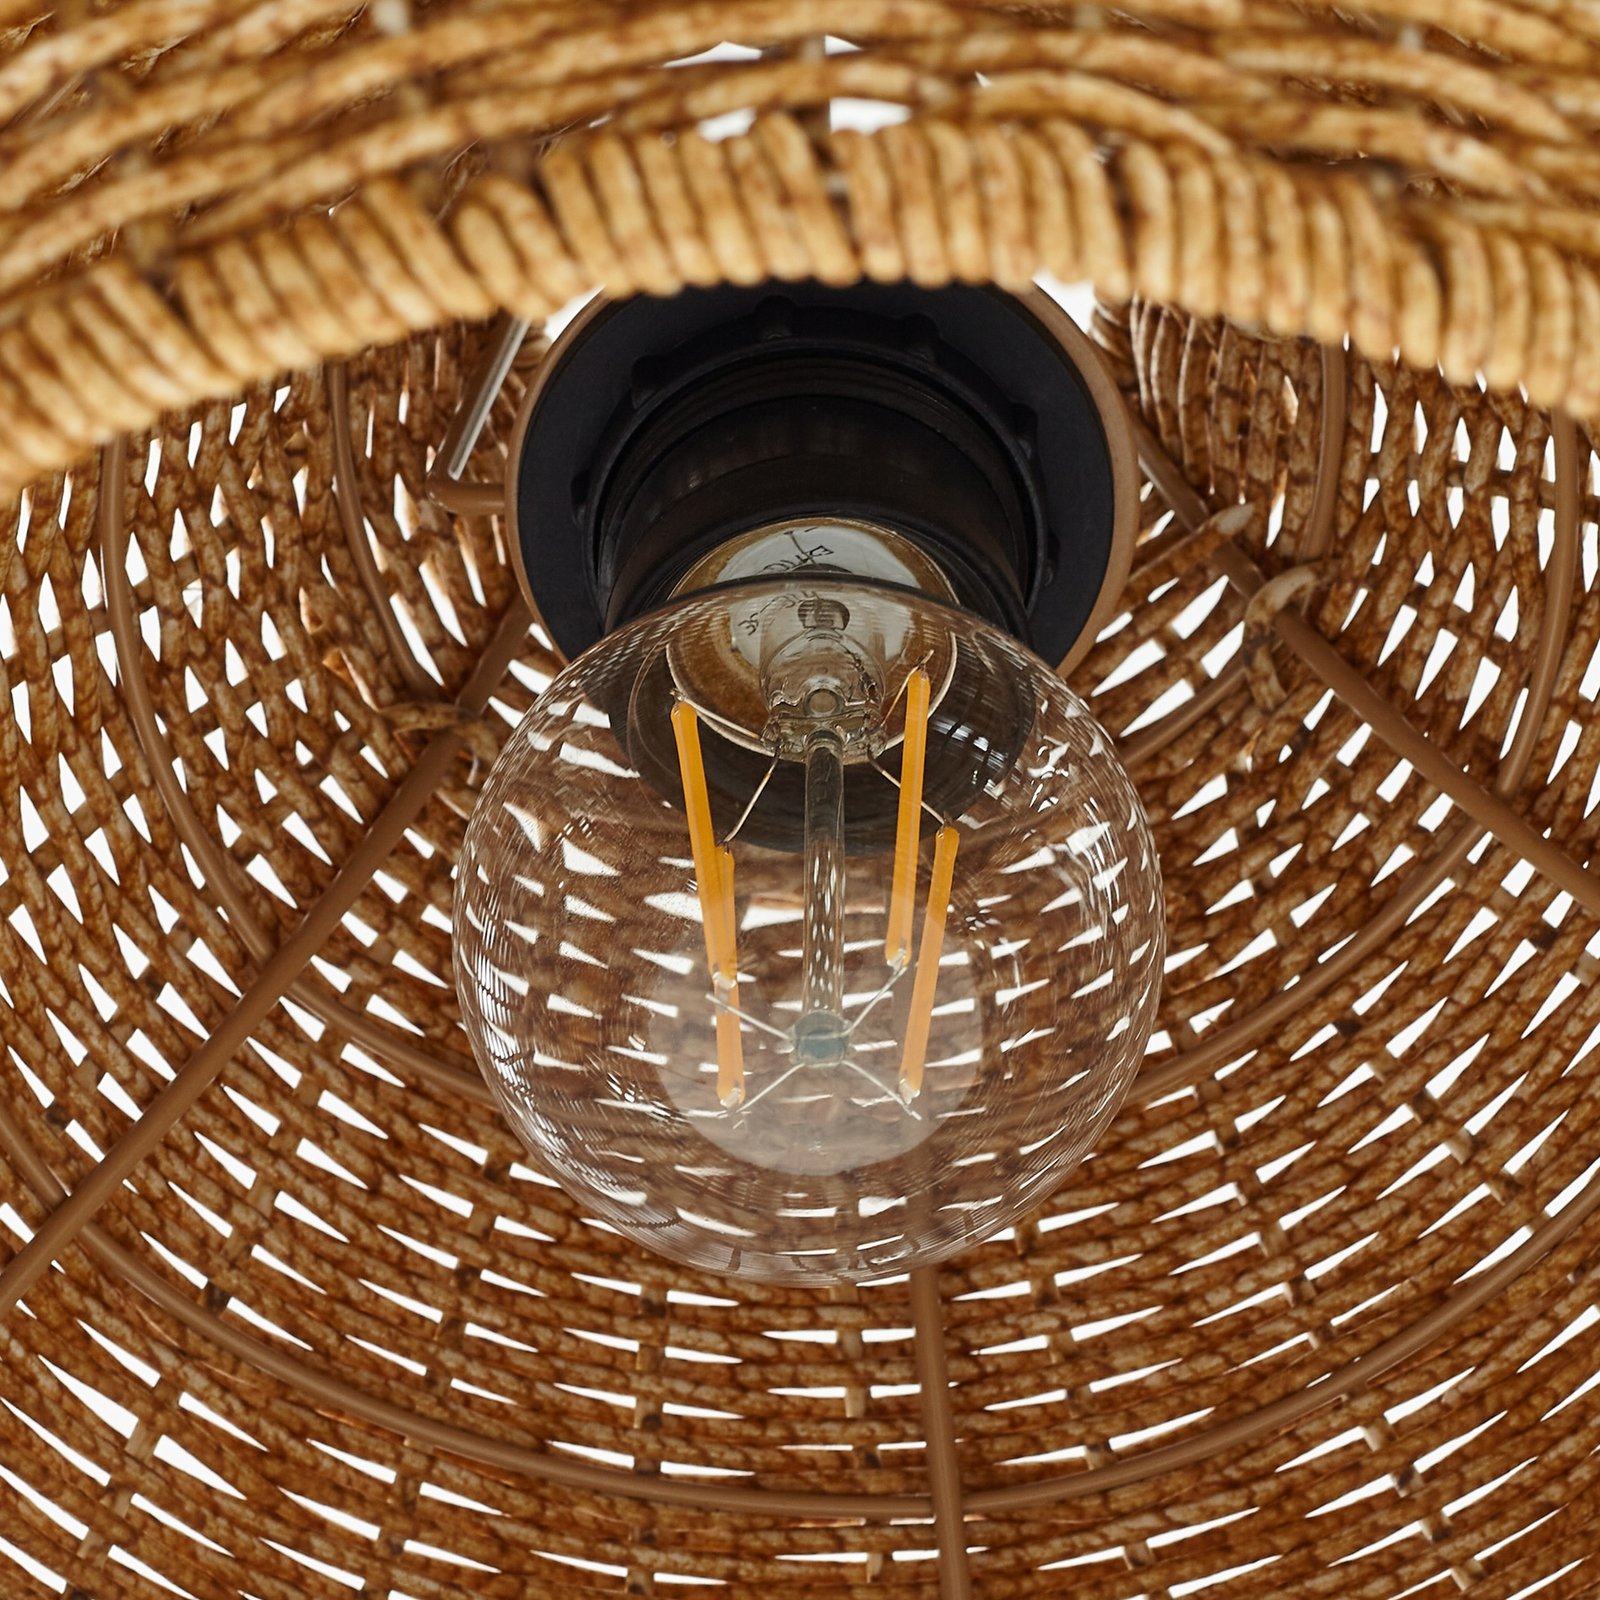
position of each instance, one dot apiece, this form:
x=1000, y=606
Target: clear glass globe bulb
x=808, y=931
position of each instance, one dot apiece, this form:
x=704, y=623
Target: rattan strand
x=1224, y=157
x=1317, y=1314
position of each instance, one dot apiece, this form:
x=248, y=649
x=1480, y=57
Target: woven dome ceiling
x=299, y=1317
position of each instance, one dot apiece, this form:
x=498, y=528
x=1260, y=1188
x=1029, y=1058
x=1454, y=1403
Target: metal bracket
x=445, y=485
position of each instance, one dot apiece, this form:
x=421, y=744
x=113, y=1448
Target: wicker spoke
x=944, y=1466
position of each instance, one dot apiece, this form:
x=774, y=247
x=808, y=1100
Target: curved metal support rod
x=1353, y=1377
x=1191, y=511
x=221, y=874
x=1188, y=508
x=1484, y=806
x=271, y=983
x=1317, y=537
x=1138, y=747
x=324, y=1391
x=939, y=1435
x=347, y=498
x=1222, y=1044
x=320, y=1388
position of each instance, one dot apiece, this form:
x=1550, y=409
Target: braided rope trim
x=1502, y=288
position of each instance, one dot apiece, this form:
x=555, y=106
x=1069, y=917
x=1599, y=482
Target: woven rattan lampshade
x=287, y=1309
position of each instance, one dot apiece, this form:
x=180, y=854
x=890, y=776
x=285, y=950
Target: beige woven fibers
x=1317, y=1317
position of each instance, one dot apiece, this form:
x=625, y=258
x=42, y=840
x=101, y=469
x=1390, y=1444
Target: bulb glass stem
x=822, y=982
x=913, y=761
x=929, y=951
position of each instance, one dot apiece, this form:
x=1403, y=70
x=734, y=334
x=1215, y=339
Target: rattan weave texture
x=1419, y=177
x=1318, y=1316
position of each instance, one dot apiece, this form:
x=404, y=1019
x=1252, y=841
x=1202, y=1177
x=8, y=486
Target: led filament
x=713, y=871
x=822, y=1028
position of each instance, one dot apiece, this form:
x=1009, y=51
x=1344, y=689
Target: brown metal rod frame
x=1343, y=1381
x=939, y=1435
x=321, y=1388
x=347, y=498
x=1316, y=538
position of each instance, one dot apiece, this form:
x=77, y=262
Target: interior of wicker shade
x=1368, y=1088
x=1317, y=1315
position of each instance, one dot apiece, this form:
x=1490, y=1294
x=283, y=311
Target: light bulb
x=808, y=929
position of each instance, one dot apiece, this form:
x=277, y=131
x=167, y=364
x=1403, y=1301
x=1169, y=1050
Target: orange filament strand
x=726, y=966
x=928, y=953
x=908, y=828
x=730, y=1057
x=713, y=873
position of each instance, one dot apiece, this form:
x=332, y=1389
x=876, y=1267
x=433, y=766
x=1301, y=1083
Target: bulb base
x=978, y=426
